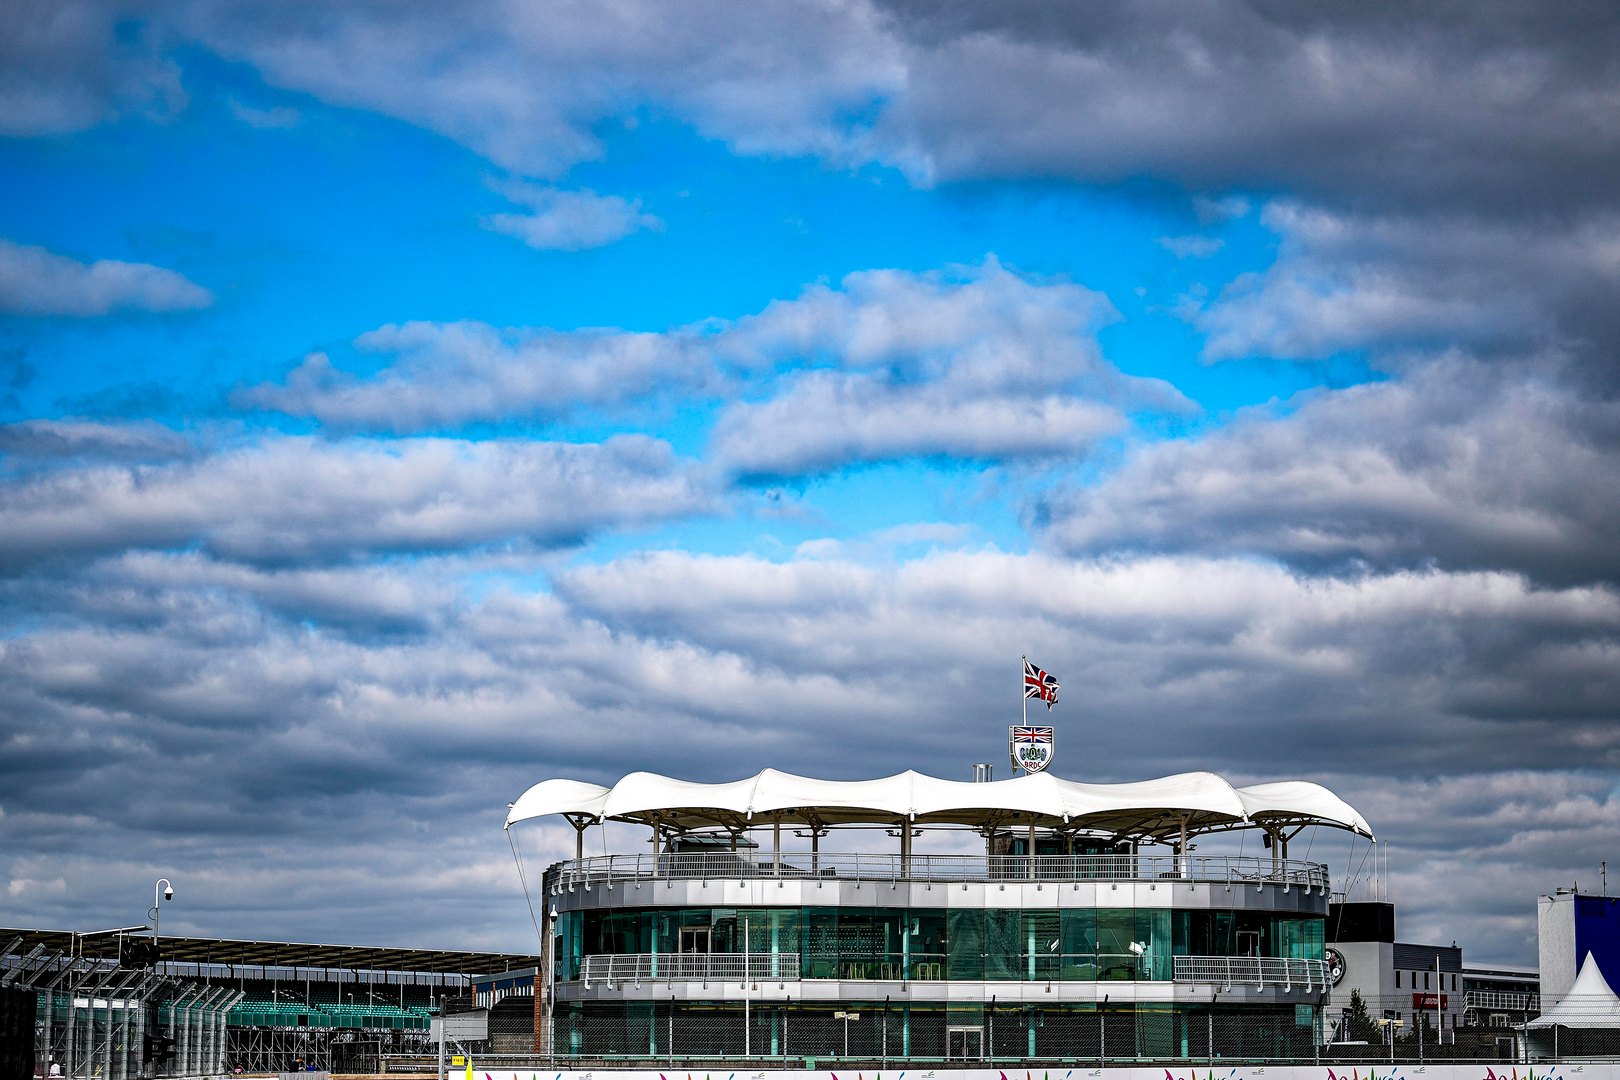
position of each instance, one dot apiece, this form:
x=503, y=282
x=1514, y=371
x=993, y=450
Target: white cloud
x=447, y=374
x=1191, y=247
x=291, y=500
x=975, y=363
x=828, y=420
x=525, y=86
x=970, y=362
x=34, y=281
x=274, y=118
x=570, y=220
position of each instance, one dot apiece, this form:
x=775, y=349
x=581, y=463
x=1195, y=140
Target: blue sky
x=397, y=410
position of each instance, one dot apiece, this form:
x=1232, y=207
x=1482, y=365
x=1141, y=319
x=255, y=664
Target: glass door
x=964, y=1043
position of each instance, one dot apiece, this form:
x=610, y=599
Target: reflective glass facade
x=995, y=944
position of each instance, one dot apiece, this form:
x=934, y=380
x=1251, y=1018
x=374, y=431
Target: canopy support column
x=905, y=848
x=776, y=846
x=1185, y=867
x=1029, y=850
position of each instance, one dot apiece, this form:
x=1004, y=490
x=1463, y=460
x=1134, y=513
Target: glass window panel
x=927, y=945
x=820, y=937
x=1079, y=947
x=1114, y=957
x=965, y=944
x=1003, y=945
x=1043, y=945
x=1153, y=931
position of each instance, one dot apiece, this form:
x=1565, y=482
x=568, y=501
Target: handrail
x=1213, y=869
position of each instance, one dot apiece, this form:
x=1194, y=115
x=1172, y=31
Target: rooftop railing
x=1215, y=869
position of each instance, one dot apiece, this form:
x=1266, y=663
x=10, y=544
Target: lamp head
x=168, y=892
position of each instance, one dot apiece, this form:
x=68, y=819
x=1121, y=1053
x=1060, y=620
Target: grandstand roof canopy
x=1198, y=801
x=189, y=950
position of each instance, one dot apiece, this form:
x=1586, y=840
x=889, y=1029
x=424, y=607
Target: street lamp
x=161, y=891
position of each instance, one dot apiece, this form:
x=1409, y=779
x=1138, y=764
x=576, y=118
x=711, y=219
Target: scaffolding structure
x=96, y=1019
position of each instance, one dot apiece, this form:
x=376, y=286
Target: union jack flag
x=1040, y=684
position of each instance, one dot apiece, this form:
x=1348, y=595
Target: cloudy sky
x=400, y=405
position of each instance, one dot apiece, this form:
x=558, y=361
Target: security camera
x=168, y=892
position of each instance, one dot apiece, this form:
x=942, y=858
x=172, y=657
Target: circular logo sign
x=1335, y=965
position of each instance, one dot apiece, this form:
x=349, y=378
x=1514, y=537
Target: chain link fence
x=683, y=1032
x=688, y=1034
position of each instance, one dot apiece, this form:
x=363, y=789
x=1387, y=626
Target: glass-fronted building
x=1112, y=940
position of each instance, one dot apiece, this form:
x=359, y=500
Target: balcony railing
x=1227, y=971
x=688, y=967
x=1505, y=1000
x=1215, y=869
x=1257, y=971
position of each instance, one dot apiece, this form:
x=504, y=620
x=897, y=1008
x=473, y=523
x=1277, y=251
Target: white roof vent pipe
x=983, y=773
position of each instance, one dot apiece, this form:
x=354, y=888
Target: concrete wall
x=1555, y=934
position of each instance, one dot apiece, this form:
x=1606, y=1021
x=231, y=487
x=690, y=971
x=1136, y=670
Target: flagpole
x=1025, y=691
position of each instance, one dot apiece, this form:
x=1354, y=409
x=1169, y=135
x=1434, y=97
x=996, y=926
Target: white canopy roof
x=1202, y=801
x=1590, y=1003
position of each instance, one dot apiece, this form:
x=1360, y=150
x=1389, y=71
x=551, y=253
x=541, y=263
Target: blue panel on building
x=1597, y=931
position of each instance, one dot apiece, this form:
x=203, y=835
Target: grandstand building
x=1024, y=919
x=106, y=1008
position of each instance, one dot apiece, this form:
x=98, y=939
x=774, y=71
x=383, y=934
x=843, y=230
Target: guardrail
x=1257, y=971
x=1215, y=869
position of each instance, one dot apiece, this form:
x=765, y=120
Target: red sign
x=1429, y=1001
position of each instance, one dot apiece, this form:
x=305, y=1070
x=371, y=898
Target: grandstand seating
x=372, y=1016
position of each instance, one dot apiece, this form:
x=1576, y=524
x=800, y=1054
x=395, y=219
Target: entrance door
x=964, y=1043
x=1248, y=943
x=694, y=962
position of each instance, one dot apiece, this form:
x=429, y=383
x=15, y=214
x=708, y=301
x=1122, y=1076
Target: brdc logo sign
x=1031, y=747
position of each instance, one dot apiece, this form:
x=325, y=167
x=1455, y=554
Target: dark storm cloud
x=1457, y=464
x=208, y=731
x=69, y=65
x=1400, y=287
x=1499, y=107
x=32, y=442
